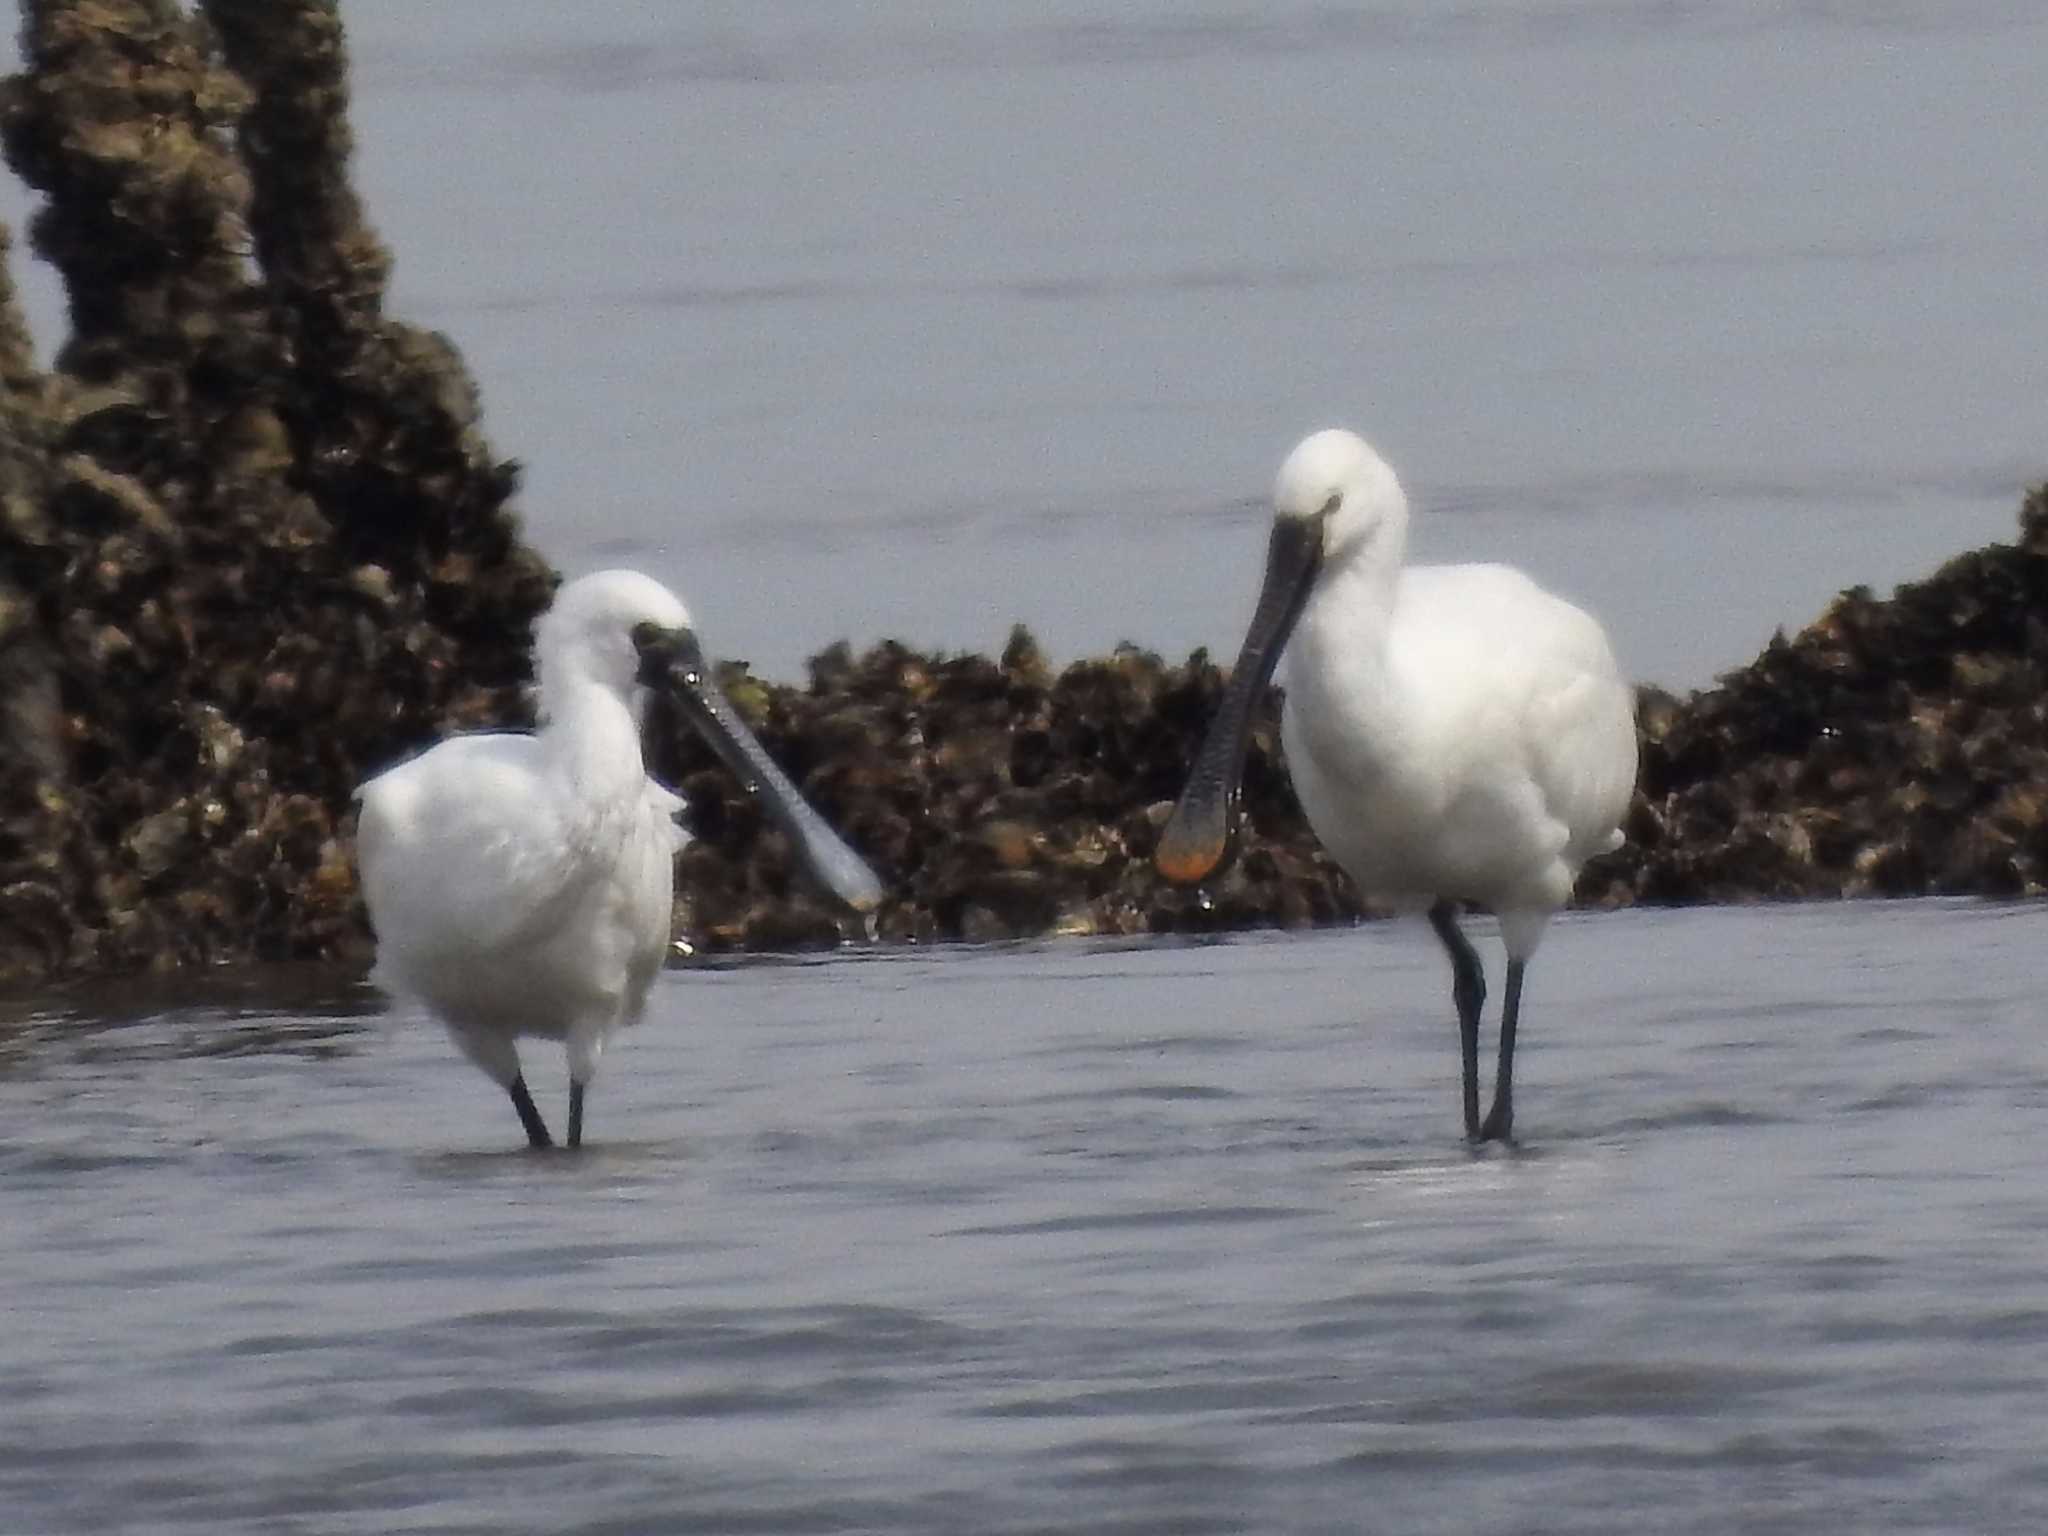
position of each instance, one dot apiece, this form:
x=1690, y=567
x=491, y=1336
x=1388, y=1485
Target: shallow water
x=1075, y=1238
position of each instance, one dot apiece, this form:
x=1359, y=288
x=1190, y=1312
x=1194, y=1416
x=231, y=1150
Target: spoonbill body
x=521, y=885
x=1454, y=733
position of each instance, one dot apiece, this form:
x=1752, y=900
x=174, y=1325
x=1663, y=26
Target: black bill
x=674, y=662
x=1200, y=838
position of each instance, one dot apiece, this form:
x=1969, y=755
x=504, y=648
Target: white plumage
x=1454, y=733
x=521, y=885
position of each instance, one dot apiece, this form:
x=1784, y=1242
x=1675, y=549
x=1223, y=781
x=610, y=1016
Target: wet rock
x=995, y=798
x=251, y=544
x=1895, y=747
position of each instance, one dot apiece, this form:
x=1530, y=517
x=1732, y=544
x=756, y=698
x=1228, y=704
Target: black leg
x=536, y=1128
x=575, y=1113
x=1468, y=991
x=1500, y=1120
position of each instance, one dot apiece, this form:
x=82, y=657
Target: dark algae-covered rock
x=1894, y=747
x=253, y=544
x=254, y=547
x=994, y=798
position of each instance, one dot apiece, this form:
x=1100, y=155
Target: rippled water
x=1166, y=1238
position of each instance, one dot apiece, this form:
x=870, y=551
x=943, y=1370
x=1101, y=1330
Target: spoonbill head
x=521, y=885
x=1454, y=733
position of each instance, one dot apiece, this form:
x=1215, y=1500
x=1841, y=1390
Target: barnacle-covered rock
x=1894, y=747
x=251, y=544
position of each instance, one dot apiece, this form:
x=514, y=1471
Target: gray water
x=865, y=320
x=1161, y=1238
x=900, y=319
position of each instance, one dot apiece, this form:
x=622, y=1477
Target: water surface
x=1159, y=1238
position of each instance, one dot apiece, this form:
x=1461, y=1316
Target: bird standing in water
x=522, y=884
x=1455, y=733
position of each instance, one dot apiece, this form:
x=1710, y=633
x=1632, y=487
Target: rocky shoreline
x=254, y=546
x=1896, y=747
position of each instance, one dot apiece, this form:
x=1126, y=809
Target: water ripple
x=1125, y=1263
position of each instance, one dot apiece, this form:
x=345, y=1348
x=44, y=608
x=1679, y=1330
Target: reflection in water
x=257, y=1010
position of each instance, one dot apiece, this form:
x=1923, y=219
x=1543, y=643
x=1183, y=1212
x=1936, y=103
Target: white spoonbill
x=1455, y=733
x=521, y=884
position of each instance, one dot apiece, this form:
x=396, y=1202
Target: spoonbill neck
x=1350, y=610
x=593, y=735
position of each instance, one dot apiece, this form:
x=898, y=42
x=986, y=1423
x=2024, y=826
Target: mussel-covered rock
x=995, y=798
x=1895, y=747
x=251, y=545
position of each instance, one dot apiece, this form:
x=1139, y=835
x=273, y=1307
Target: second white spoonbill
x=522, y=884
x=1455, y=733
